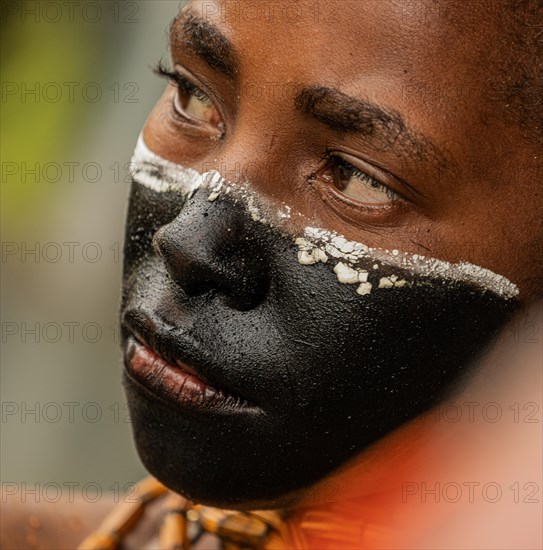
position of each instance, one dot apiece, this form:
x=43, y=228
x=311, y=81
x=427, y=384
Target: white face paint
x=317, y=241
x=317, y=244
x=159, y=174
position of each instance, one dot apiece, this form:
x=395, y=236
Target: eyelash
x=180, y=81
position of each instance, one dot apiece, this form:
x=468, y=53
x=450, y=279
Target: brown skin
x=59, y=525
x=438, y=65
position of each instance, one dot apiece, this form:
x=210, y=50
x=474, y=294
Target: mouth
x=174, y=370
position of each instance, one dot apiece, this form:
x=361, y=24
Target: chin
x=213, y=459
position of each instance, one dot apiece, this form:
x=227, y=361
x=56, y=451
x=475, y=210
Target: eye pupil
x=342, y=174
x=184, y=97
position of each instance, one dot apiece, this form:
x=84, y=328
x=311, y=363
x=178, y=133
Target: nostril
x=220, y=255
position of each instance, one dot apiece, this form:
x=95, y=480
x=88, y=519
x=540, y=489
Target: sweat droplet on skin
x=317, y=244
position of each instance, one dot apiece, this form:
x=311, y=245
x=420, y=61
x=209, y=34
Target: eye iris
x=191, y=103
x=342, y=175
x=199, y=108
x=197, y=105
x=359, y=185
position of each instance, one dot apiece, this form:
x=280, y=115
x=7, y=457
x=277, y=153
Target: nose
x=216, y=246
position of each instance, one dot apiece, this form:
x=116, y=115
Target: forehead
x=342, y=37
x=432, y=60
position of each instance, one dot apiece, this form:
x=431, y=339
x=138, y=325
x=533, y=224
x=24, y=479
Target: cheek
x=335, y=370
x=333, y=314
x=345, y=310
x=342, y=343
x=382, y=337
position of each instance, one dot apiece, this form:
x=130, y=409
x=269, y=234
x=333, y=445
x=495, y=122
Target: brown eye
x=191, y=104
x=194, y=104
x=358, y=185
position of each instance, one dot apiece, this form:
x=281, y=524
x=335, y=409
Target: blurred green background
x=76, y=90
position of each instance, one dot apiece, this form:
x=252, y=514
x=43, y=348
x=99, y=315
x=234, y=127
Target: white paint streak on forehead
x=317, y=244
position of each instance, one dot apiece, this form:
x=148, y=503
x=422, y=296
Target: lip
x=172, y=371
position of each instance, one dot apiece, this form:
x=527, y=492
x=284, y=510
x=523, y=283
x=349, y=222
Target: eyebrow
x=385, y=127
x=206, y=41
x=342, y=113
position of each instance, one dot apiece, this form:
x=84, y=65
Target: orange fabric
x=358, y=506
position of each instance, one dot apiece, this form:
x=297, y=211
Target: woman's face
x=374, y=219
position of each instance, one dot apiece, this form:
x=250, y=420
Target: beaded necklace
x=184, y=522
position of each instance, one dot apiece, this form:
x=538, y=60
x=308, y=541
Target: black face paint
x=310, y=372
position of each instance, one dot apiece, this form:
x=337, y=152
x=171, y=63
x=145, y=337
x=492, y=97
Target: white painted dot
x=347, y=248
x=346, y=274
x=385, y=282
x=306, y=258
x=363, y=276
x=320, y=255
x=364, y=288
